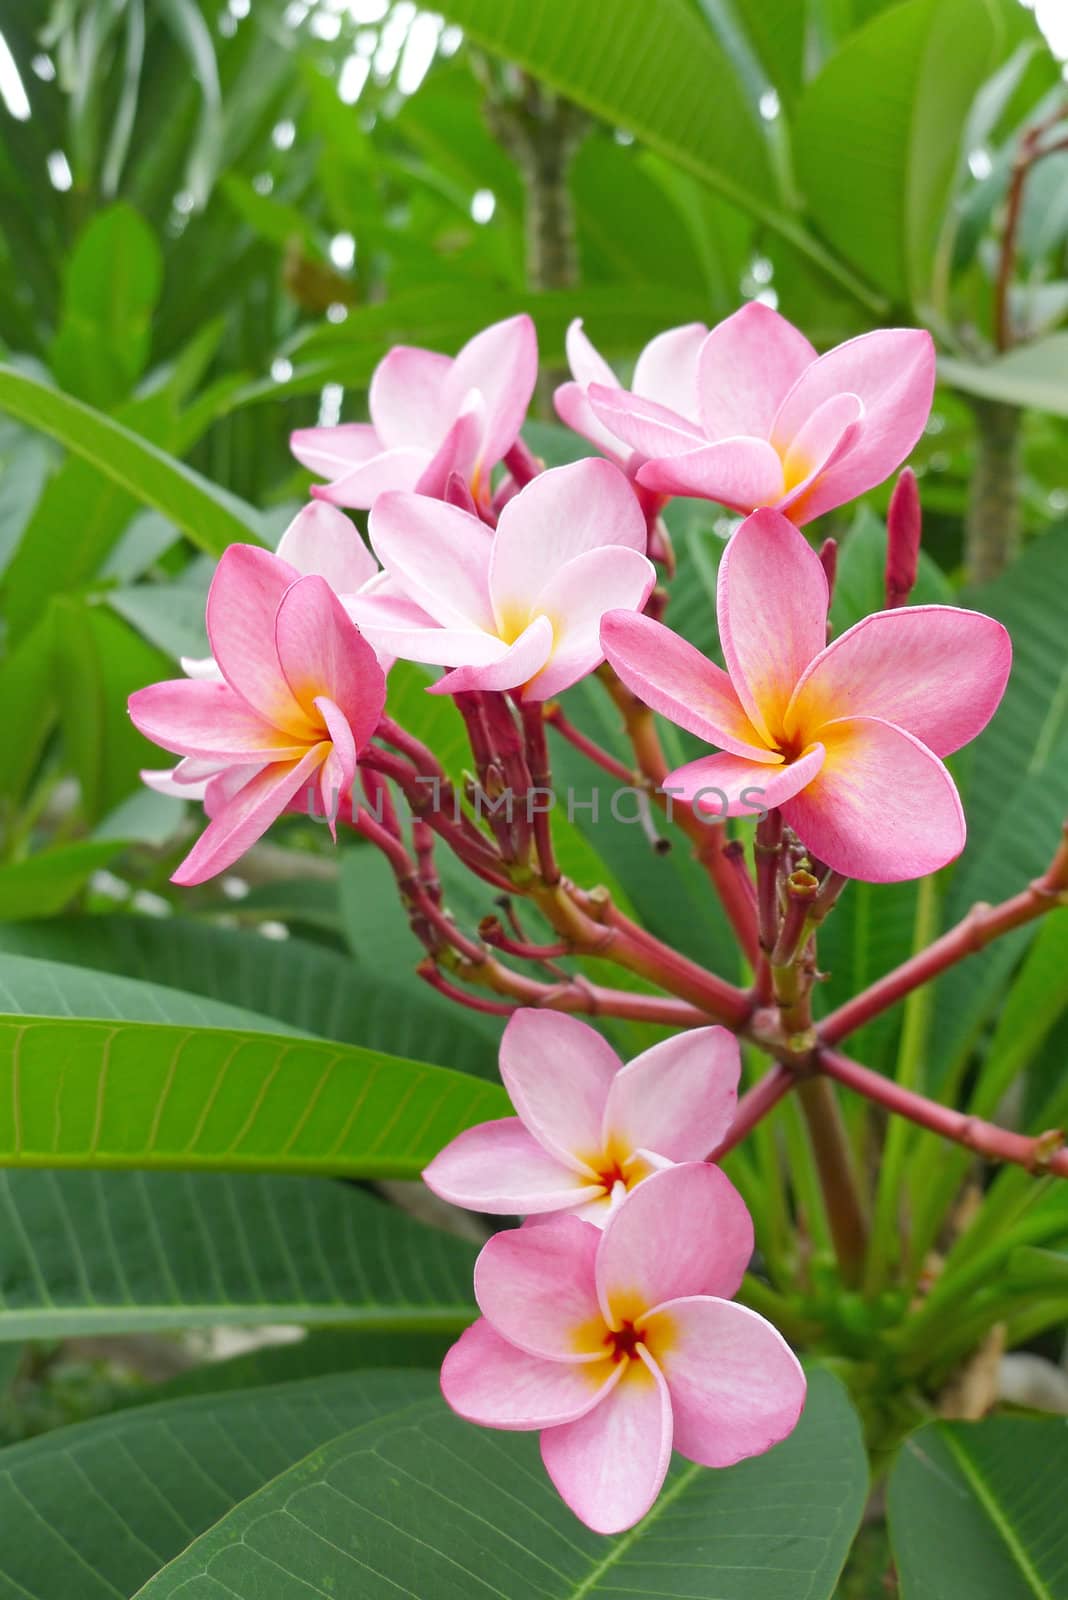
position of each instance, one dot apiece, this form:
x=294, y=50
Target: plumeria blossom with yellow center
x=618, y=1345
x=299, y=696
x=588, y=1129
x=432, y=416
x=749, y=414
x=516, y=607
x=846, y=738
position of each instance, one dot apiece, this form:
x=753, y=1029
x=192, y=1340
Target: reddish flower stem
x=591, y=750
x=1029, y=152
x=490, y=929
x=754, y=1106
x=537, y=754
x=982, y=924
x=1042, y=1153
x=709, y=838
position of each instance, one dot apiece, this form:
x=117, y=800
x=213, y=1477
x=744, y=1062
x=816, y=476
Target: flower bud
x=903, y=528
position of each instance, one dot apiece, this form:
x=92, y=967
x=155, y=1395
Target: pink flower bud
x=904, y=525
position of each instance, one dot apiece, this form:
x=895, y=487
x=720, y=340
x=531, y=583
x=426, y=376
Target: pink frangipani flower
x=773, y=423
x=301, y=694
x=518, y=606
x=844, y=738
x=589, y=1129
x=431, y=416
x=618, y=1345
x=664, y=373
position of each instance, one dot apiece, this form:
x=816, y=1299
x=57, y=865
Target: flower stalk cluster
x=608, y=1321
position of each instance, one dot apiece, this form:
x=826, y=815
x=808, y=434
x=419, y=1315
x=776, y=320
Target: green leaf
x=210, y=517
x=99, y=662
x=877, y=137
x=41, y=885
x=46, y=988
x=976, y=1509
x=27, y=693
x=95, y=1511
x=86, y=1093
x=1042, y=1270
x=112, y=281
x=301, y=984
x=423, y=1504
x=647, y=69
x=1035, y=375
x=124, y=1252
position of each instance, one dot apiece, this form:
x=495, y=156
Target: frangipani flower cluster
x=607, y=1320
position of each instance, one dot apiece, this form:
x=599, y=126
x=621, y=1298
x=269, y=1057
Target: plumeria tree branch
x=1041, y=1153
x=973, y=933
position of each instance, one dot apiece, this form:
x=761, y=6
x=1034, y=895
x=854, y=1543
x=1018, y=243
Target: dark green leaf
x=423, y=1505
x=95, y=1511
x=976, y=1509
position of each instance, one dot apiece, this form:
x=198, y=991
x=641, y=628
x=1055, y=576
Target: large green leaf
x=121, y=1252
x=1034, y=375
x=95, y=1511
x=167, y=1079
x=422, y=1505
x=299, y=983
x=877, y=137
x=209, y=516
x=112, y=281
x=977, y=1510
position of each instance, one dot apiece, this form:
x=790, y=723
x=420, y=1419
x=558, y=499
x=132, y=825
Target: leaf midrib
x=983, y=1493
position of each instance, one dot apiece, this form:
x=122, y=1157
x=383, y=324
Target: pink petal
x=339, y=768
x=736, y=1387
x=882, y=809
x=772, y=604
x=520, y=662
x=438, y=555
x=487, y=1380
x=574, y=410
x=330, y=452
x=196, y=717
x=938, y=671
x=458, y=452
x=677, y=1098
x=407, y=398
x=586, y=363
x=243, y=600
x=392, y=470
x=739, y=473
x=826, y=436
x=322, y=540
x=652, y=429
x=323, y=653
x=666, y=370
x=893, y=372
x=247, y=816
x=558, y=1071
x=560, y=514
x=165, y=782
x=535, y=1286
x=672, y=677
x=502, y=364
x=575, y=599
x=747, y=366
x=500, y=1168
x=683, y=1231
x=729, y=786
x=610, y=1464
